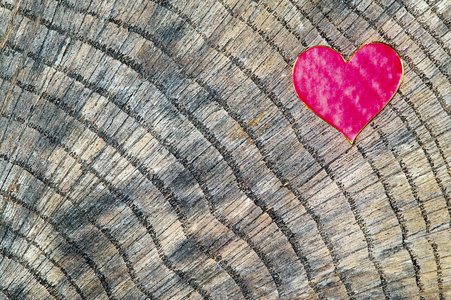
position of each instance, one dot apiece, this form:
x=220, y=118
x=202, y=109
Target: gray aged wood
x=156, y=149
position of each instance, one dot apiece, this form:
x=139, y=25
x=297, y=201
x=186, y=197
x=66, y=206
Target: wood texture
x=156, y=149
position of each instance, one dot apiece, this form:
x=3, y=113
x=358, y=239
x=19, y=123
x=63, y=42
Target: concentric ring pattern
x=156, y=149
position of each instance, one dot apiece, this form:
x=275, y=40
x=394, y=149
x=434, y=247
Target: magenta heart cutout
x=347, y=95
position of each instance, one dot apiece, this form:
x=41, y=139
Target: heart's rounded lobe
x=348, y=95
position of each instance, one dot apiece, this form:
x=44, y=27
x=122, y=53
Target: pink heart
x=347, y=95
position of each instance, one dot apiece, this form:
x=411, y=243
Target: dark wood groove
x=414, y=190
x=433, y=140
x=445, y=21
x=426, y=27
x=284, y=23
x=88, y=214
x=243, y=186
x=50, y=288
x=427, y=155
x=288, y=60
x=385, y=177
x=57, y=142
x=425, y=125
x=401, y=221
x=74, y=247
x=49, y=257
x=135, y=210
x=6, y=293
x=131, y=270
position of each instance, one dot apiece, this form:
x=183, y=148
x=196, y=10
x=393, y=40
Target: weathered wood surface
x=156, y=149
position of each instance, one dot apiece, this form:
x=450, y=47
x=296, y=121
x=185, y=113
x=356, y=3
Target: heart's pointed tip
x=351, y=139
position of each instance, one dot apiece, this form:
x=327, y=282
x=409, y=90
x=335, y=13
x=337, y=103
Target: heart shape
x=347, y=95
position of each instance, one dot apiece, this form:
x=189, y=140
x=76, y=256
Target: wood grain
x=156, y=149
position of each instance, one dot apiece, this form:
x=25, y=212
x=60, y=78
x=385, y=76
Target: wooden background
x=156, y=149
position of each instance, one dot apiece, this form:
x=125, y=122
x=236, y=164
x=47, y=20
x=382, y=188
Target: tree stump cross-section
x=156, y=149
